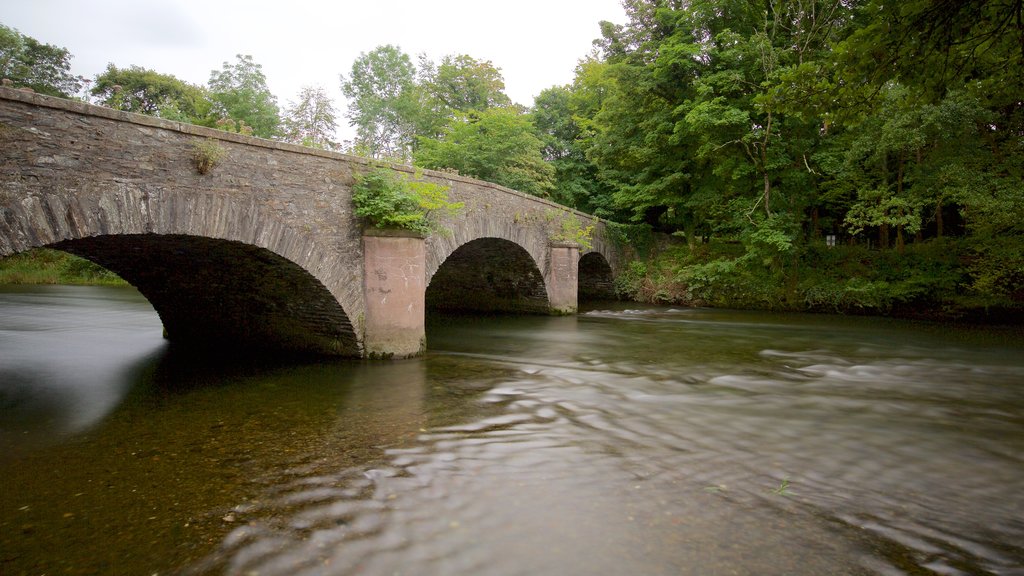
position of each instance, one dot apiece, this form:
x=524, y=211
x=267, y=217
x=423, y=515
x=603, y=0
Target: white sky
x=535, y=43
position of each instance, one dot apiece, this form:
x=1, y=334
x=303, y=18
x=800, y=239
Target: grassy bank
x=937, y=279
x=42, y=266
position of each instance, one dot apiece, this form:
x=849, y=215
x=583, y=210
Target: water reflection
x=58, y=376
x=649, y=441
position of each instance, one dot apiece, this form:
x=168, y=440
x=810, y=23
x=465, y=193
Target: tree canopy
x=29, y=63
x=310, y=121
x=240, y=93
x=136, y=89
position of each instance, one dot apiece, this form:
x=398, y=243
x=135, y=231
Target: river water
x=626, y=440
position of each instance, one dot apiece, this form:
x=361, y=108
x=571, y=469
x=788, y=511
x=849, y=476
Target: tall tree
x=382, y=102
x=240, y=93
x=560, y=114
x=29, y=63
x=463, y=83
x=311, y=120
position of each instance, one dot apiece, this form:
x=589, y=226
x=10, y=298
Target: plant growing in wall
x=387, y=199
x=207, y=154
x=568, y=228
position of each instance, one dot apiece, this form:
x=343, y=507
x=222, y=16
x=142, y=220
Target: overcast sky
x=535, y=43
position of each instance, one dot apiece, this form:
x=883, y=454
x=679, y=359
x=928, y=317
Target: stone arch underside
x=488, y=275
x=596, y=281
x=225, y=295
x=218, y=269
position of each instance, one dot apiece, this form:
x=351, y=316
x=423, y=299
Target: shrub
x=570, y=230
x=387, y=199
x=207, y=154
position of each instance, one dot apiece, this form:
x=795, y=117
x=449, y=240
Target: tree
x=941, y=45
x=463, y=83
x=559, y=115
x=497, y=145
x=28, y=63
x=142, y=91
x=382, y=102
x=311, y=120
x=240, y=93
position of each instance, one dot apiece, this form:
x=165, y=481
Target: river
x=626, y=440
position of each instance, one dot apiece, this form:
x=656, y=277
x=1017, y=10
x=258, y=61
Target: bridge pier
x=563, y=276
x=394, y=285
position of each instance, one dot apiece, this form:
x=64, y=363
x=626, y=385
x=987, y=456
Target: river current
x=625, y=440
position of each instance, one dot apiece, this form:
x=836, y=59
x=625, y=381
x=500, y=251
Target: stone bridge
x=263, y=251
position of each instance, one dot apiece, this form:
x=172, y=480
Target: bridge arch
x=488, y=275
x=219, y=270
x=596, y=279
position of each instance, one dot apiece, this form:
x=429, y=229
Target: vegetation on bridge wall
x=387, y=199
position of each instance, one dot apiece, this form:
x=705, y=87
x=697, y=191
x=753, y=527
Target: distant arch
x=488, y=275
x=596, y=281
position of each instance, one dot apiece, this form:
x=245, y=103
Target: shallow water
x=625, y=441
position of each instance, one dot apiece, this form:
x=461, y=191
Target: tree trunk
x=767, y=193
x=899, y=194
x=938, y=218
x=899, y=236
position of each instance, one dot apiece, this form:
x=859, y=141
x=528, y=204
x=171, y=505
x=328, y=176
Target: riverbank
x=933, y=280
x=43, y=266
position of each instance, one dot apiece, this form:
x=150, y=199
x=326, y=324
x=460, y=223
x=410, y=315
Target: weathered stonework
x=394, y=286
x=562, y=278
x=270, y=220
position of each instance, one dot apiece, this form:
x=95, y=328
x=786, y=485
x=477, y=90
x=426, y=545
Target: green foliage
x=387, y=199
x=395, y=107
x=239, y=91
x=207, y=154
x=629, y=283
x=462, y=83
x=382, y=102
x=43, y=266
x=496, y=145
x=311, y=120
x=569, y=229
x=938, y=278
x=762, y=126
x=29, y=63
x=136, y=89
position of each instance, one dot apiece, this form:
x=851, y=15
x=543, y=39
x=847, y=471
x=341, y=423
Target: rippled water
x=628, y=441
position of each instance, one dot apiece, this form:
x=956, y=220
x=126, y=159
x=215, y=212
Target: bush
x=387, y=199
x=206, y=154
x=940, y=277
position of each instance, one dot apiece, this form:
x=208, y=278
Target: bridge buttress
x=394, y=286
x=562, y=278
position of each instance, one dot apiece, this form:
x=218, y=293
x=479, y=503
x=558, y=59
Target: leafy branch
x=387, y=199
x=570, y=230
